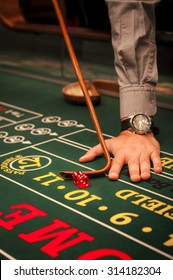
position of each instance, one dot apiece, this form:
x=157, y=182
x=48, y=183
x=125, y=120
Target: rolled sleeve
x=137, y=99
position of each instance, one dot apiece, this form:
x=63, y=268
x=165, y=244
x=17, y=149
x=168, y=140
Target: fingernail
x=113, y=176
x=135, y=178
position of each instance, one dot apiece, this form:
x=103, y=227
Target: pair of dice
x=80, y=179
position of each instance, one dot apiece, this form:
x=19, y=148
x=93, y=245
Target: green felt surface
x=57, y=134
x=44, y=216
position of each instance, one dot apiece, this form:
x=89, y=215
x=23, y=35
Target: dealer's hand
x=137, y=151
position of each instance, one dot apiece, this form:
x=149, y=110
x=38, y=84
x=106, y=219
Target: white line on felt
x=93, y=219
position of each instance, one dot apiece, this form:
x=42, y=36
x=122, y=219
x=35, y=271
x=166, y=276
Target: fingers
x=155, y=158
x=134, y=169
x=140, y=169
x=116, y=167
x=145, y=166
x=135, y=151
x=139, y=166
x=92, y=154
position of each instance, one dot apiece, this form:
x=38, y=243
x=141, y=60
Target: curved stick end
x=66, y=174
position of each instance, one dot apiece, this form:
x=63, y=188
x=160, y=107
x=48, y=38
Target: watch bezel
x=137, y=129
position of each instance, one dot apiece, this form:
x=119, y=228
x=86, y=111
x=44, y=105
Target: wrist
x=140, y=124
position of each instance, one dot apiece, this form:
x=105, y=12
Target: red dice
x=80, y=179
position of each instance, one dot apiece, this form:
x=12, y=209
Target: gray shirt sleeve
x=131, y=1
x=133, y=41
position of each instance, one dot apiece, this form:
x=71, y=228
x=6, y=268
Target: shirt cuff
x=137, y=99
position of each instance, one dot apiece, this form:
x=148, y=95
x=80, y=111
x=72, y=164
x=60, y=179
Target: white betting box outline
x=79, y=212
x=37, y=115
x=134, y=239
x=35, y=147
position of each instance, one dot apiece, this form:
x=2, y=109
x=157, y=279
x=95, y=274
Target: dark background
x=91, y=14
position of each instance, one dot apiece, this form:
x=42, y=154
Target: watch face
x=141, y=123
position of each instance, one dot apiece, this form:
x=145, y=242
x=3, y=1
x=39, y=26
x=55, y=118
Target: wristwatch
x=139, y=124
